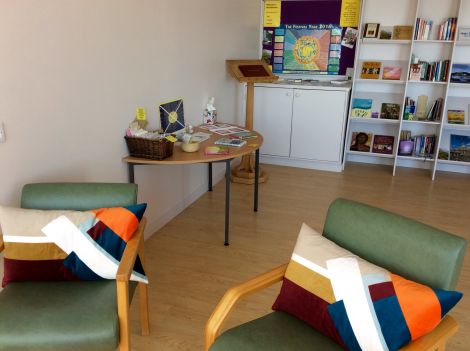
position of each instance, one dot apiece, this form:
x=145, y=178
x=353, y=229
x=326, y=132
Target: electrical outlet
x=3, y=137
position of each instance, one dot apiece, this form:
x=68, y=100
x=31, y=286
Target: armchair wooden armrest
x=134, y=247
x=236, y=293
x=2, y=246
x=434, y=341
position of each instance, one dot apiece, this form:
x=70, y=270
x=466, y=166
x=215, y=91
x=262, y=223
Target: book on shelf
x=361, y=141
x=385, y=32
x=216, y=150
x=361, y=108
x=423, y=29
x=409, y=111
x=460, y=148
x=402, y=32
x=456, y=116
x=390, y=111
x=230, y=142
x=383, y=144
x=421, y=107
x=391, y=73
x=447, y=29
x=435, y=111
x=371, y=69
x=415, y=72
x=424, y=145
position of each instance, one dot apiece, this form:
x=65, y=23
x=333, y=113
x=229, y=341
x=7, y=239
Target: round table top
x=181, y=157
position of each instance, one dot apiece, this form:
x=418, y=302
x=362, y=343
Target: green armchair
x=403, y=246
x=85, y=315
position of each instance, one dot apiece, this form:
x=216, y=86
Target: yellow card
x=171, y=138
x=272, y=13
x=350, y=13
x=140, y=114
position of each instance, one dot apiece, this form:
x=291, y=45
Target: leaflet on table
x=222, y=128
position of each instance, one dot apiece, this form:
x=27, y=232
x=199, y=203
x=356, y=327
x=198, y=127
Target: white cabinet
x=273, y=107
x=302, y=126
x=317, y=124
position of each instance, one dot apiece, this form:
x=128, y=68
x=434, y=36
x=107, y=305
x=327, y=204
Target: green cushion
x=77, y=196
x=403, y=246
x=59, y=316
x=276, y=331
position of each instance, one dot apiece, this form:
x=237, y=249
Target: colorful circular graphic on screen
x=306, y=49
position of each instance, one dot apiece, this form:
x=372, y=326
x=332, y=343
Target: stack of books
x=447, y=29
x=423, y=29
x=410, y=109
x=424, y=145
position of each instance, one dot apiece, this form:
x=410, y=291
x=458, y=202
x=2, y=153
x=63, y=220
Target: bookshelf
x=401, y=53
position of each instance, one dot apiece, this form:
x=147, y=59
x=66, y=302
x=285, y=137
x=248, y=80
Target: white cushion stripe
x=310, y=265
x=348, y=286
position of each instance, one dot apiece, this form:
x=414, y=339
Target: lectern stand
x=249, y=72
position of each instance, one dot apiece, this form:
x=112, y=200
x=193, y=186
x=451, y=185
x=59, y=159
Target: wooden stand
x=249, y=72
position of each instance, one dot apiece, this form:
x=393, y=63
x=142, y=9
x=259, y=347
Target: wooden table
x=180, y=157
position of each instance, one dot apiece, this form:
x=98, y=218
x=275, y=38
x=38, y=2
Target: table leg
x=210, y=175
x=130, y=167
x=255, y=205
x=227, y=201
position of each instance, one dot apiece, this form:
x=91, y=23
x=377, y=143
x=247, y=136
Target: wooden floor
x=190, y=269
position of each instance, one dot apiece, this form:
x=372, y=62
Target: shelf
x=374, y=120
x=460, y=85
x=436, y=123
x=373, y=154
x=434, y=41
x=449, y=162
x=415, y=158
x=426, y=82
x=457, y=126
x=380, y=81
x=463, y=42
x=385, y=41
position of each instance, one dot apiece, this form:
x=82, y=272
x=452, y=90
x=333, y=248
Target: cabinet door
x=272, y=118
x=317, y=124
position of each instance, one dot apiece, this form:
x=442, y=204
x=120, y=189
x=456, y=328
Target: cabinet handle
x=288, y=94
x=297, y=94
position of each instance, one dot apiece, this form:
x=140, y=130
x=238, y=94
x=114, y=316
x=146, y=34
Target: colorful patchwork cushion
x=68, y=245
x=359, y=305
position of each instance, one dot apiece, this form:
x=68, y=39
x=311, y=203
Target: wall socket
x=3, y=137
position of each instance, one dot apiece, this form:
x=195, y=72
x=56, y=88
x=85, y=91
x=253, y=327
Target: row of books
x=447, y=29
x=435, y=112
x=429, y=71
x=423, y=29
x=381, y=144
x=424, y=145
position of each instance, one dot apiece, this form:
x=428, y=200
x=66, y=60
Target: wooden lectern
x=249, y=72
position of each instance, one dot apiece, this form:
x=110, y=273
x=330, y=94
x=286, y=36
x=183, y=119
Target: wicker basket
x=148, y=148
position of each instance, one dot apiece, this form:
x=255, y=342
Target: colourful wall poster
x=272, y=13
x=350, y=13
x=311, y=48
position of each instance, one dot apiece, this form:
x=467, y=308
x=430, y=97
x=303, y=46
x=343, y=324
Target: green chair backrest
x=403, y=246
x=77, y=196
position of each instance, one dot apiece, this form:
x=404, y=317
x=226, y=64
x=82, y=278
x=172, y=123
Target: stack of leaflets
x=230, y=142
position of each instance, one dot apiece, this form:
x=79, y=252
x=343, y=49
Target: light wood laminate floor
x=190, y=269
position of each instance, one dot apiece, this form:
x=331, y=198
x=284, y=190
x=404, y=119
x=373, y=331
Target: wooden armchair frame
x=434, y=341
x=135, y=246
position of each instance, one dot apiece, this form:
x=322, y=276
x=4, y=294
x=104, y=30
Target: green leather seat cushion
x=277, y=331
x=85, y=320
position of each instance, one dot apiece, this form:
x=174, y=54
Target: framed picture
x=172, y=116
x=464, y=33
x=460, y=73
x=385, y=33
x=371, y=30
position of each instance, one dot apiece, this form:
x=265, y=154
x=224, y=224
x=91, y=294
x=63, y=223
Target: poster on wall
x=307, y=48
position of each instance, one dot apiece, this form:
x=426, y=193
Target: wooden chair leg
x=123, y=315
x=144, y=309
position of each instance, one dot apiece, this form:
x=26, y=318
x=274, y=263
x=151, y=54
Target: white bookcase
x=399, y=53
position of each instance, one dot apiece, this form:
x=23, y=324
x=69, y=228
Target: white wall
x=73, y=71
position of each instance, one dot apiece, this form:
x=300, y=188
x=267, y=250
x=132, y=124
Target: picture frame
x=385, y=33
x=464, y=33
x=172, y=116
x=371, y=30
